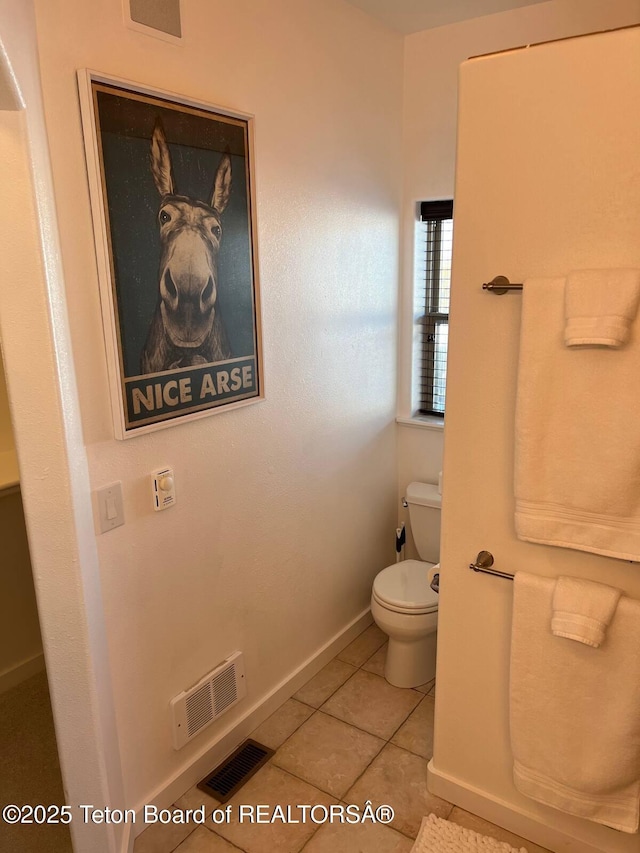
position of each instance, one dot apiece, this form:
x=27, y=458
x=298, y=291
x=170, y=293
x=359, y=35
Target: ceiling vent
x=195, y=708
x=163, y=16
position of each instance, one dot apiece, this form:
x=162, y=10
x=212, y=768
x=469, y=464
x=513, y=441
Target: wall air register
x=195, y=708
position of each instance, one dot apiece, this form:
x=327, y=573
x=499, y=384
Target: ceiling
x=411, y=16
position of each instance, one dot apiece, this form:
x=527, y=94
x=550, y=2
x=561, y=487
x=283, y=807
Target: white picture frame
x=173, y=202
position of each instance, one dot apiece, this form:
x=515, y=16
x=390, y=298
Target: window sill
x=422, y=422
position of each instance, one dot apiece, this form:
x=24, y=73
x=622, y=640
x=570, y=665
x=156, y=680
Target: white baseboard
x=227, y=740
x=21, y=672
x=506, y=815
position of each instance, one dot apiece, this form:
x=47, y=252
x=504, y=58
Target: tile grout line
x=302, y=702
x=299, y=726
x=316, y=710
x=287, y=773
x=424, y=696
x=217, y=835
x=387, y=741
x=358, y=728
x=345, y=802
x=328, y=793
x=195, y=826
x=406, y=720
x=364, y=731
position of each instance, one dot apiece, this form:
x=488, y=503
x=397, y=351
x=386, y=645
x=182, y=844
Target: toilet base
x=411, y=664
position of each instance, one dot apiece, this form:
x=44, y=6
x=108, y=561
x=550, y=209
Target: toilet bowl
x=403, y=604
x=405, y=607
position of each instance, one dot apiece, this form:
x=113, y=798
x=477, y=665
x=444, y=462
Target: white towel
x=575, y=711
x=577, y=462
x=600, y=306
x=582, y=610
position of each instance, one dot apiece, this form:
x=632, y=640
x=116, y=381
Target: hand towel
x=575, y=711
x=600, y=306
x=577, y=453
x=582, y=610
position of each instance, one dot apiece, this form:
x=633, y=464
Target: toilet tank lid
x=423, y=494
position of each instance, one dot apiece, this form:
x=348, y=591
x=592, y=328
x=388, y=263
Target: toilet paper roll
x=434, y=570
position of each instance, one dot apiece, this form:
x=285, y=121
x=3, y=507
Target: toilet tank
x=424, y=515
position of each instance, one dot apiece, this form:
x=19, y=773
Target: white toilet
x=403, y=604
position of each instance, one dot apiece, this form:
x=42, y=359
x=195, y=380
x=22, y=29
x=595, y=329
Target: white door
x=548, y=180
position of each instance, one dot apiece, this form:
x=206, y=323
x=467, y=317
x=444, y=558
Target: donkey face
x=190, y=234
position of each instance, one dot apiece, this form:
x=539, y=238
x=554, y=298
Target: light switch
x=112, y=511
x=110, y=508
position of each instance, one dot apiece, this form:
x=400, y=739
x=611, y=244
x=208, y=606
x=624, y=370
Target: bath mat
x=440, y=836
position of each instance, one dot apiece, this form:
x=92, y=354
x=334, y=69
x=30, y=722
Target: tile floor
x=346, y=737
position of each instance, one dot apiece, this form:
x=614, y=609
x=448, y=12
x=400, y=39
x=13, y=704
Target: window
x=433, y=279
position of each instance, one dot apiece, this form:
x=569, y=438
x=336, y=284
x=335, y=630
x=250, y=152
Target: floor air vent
x=231, y=775
x=203, y=703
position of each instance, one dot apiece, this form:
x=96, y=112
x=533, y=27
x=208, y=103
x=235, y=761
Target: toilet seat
x=404, y=588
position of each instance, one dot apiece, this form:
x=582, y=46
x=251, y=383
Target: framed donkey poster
x=173, y=204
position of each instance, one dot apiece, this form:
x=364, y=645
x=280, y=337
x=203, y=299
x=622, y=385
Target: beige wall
x=285, y=509
x=570, y=132
x=431, y=63
x=53, y=471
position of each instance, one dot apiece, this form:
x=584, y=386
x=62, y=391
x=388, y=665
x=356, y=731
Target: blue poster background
x=196, y=144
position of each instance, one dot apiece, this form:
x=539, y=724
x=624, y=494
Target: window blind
x=434, y=275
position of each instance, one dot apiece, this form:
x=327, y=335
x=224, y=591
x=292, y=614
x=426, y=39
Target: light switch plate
x=110, y=508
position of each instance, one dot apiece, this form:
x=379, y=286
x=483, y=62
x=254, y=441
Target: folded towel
x=575, y=711
x=600, y=306
x=577, y=454
x=582, y=610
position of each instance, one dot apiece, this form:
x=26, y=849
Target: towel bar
x=483, y=564
x=500, y=284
